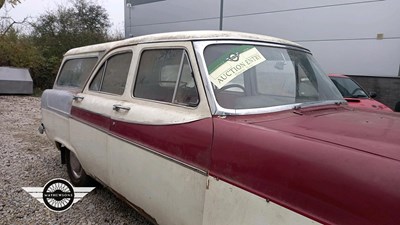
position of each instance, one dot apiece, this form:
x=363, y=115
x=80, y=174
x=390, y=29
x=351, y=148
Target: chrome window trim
x=215, y=108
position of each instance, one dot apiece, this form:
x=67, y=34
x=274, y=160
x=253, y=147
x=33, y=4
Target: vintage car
x=216, y=127
x=355, y=95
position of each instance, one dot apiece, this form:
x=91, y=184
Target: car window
x=75, y=72
x=348, y=88
x=111, y=77
x=274, y=77
x=96, y=83
x=247, y=76
x=165, y=75
x=305, y=86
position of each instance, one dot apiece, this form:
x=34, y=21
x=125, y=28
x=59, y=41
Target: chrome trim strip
x=169, y=158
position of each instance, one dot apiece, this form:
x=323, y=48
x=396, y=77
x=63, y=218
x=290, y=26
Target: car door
x=160, y=141
x=56, y=103
x=91, y=112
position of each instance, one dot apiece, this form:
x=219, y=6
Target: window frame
x=172, y=102
x=104, y=62
x=77, y=56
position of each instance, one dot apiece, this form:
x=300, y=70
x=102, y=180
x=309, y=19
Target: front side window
x=75, y=72
x=252, y=76
x=166, y=75
x=112, y=75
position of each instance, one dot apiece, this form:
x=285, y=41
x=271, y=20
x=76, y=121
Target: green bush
x=53, y=34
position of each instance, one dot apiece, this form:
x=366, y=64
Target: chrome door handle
x=119, y=107
x=76, y=98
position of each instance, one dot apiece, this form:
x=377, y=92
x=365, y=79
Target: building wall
x=346, y=36
x=171, y=15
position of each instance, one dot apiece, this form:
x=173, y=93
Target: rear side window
x=111, y=77
x=166, y=75
x=75, y=72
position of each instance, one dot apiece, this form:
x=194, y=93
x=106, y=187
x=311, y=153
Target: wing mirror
x=397, y=107
x=372, y=94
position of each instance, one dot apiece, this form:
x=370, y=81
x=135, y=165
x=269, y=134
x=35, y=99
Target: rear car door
x=56, y=103
x=160, y=140
x=91, y=112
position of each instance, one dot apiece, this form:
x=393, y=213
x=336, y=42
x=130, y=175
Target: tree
x=17, y=50
x=82, y=24
x=6, y=21
x=12, y=2
x=54, y=33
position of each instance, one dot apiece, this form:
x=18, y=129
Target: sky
x=34, y=8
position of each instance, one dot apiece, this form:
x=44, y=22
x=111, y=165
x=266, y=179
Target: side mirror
x=372, y=94
x=397, y=107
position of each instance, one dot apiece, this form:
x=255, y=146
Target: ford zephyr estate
x=222, y=128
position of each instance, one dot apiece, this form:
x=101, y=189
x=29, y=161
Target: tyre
x=76, y=173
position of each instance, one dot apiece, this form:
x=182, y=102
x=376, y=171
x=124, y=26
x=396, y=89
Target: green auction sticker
x=233, y=63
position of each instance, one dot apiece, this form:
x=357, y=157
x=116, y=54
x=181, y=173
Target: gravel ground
x=29, y=159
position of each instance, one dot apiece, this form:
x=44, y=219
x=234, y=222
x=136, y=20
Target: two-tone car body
x=214, y=127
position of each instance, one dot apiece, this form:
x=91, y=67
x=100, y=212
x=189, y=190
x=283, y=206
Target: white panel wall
x=210, y=24
x=369, y=57
x=172, y=15
x=341, y=33
x=354, y=21
x=238, y=7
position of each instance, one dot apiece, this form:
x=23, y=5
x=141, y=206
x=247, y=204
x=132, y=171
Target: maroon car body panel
x=369, y=131
x=314, y=161
x=96, y=120
x=367, y=103
x=188, y=142
x=293, y=158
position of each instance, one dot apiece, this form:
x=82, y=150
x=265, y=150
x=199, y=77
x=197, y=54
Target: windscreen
x=348, y=88
x=255, y=76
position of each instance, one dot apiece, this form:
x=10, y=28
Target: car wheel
x=76, y=173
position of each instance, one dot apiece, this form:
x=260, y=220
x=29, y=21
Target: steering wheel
x=232, y=86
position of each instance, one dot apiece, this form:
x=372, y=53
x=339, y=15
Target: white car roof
x=181, y=36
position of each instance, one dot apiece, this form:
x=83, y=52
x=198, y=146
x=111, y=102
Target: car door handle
x=76, y=98
x=119, y=107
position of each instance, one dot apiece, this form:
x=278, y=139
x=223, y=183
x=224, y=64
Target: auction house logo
x=58, y=194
